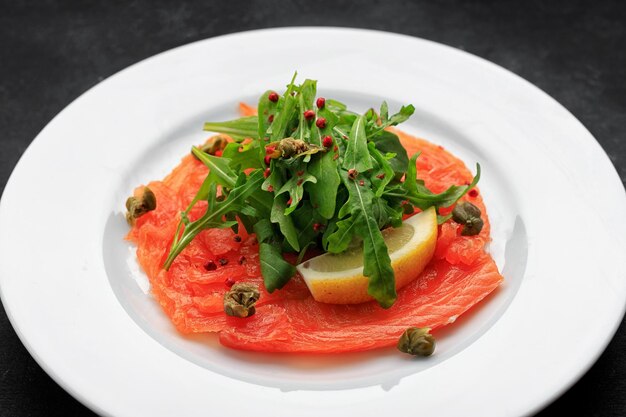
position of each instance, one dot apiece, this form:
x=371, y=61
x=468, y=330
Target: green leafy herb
x=312, y=176
x=357, y=154
x=376, y=261
x=234, y=202
x=239, y=129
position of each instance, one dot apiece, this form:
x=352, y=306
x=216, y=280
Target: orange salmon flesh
x=460, y=274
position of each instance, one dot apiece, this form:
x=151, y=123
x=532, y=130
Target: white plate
x=76, y=298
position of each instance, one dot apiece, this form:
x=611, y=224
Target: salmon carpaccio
x=289, y=320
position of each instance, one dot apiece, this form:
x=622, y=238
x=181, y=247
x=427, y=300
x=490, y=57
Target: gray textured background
x=52, y=51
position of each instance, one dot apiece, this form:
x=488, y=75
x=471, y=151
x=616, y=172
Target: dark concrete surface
x=53, y=51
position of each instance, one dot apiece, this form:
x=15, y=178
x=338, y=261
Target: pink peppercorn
x=309, y=114
x=273, y=97
x=321, y=123
x=327, y=141
x=320, y=102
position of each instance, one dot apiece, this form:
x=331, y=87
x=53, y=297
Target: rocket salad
x=307, y=172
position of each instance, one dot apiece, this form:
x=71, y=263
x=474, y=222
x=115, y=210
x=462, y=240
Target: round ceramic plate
x=81, y=305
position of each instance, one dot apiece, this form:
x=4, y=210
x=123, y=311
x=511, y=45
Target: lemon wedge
x=339, y=279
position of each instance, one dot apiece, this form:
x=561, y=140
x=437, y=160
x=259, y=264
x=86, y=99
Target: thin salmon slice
x=191, y=293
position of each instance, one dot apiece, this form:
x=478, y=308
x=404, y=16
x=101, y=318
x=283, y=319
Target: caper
x=214, y=144
x=417, y=341
x=468, y=215
x=290, y=147
x=239, y=301
x=139, y=205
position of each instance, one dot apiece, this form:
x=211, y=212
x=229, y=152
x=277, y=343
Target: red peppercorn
x=321, y=123
x=380, y=176
x=270, y=188
x=289, y=201
x=321, y=101
x=309, y=114
x=327, y=141
x=299, y=183
x=361, y=183
x=352, y=173
x=229, y=282
x=473, y=193
x=300, y=173
x=267, y=172
x=267, y=159
x=210, y=266
x=270, y=118
x=335, y=156
x=218, y=152
x=273, y=97
x=316, y=227
x=336, y=148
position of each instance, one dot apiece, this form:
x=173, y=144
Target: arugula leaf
x=384, y=112
x=305, y=217
x=382, y=173
x=243, y=156
x=284, y=114
x=266, y=110
x=323, y=192
x=306, y=97
x=238, y=129
x=388, y=142
x=279, y=205
x=343, y=235
x=402, y=116
x=294, y=187
x=275, y=269
x=212, y=218
x=376, y=260
x=385, y=214
x=219, y=168
x=414, y=190
x=221, y=172
x=357, y=155
x=410, y=179
x=263, y=230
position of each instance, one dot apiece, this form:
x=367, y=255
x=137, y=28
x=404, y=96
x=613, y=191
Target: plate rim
x=83, y=399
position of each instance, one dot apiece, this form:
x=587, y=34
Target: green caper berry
x=468, y=215
x=417, y=341
x=291, y=147
x=138, y=206
x=240, y=300
x=214, y=144
x=472, y=227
